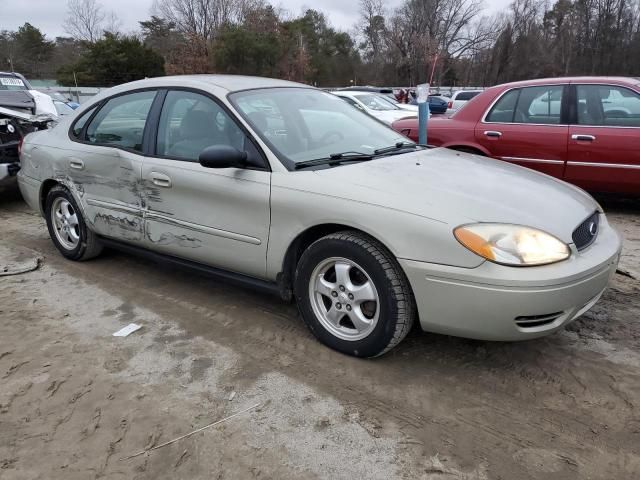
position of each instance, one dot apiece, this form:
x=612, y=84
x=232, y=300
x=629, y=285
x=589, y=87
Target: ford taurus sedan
x=584, y=130
x=289, y=188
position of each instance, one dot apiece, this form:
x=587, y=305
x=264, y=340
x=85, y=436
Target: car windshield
x=375, y=101
x=303, y=124
x=11, y=83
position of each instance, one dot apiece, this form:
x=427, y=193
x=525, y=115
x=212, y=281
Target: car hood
x=458, y=188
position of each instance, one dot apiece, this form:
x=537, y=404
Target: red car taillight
x=450, y=104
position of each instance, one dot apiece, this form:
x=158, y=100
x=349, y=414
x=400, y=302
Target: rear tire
x=67, y=227
x=353, y=295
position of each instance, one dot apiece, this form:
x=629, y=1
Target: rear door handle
x=160, y=179
x=76, y=164
x=583, y=138
x=493, y=133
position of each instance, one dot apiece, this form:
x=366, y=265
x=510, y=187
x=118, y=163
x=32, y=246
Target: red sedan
x=584, y=130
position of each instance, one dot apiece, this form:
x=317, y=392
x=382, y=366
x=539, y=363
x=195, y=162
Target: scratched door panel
x=108, y=183
x=219, y=217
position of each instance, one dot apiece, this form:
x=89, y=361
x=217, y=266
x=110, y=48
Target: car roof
x=563, y=80
x=231, y=83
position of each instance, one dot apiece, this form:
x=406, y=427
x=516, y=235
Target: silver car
x=289, y=188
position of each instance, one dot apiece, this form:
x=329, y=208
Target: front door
x=218, y=217
x=105, y=164
x=526, y=127
x=604, y=142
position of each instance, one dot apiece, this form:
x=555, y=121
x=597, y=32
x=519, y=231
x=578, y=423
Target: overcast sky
x=49, y=15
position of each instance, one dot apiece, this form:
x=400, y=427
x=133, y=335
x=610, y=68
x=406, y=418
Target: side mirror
x=222, y=156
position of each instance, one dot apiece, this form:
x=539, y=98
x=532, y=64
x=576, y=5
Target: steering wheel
x=327, y=136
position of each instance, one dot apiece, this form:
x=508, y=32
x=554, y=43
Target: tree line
x=450, y=42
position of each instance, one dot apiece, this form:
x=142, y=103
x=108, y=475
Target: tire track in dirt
x=287, y=346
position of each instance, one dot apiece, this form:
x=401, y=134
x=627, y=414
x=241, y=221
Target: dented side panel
x=107, y=182
x=218, y=217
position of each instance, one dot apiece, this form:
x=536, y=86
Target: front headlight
x=515, y=245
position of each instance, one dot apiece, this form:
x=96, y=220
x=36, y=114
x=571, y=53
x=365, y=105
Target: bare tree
x=84, y=20
x=112, y=23
x=199, y=18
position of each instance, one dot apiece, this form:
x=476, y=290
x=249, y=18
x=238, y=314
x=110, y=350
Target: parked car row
x=378, y=105
x=289, y=188
x=584, y=130
x=437, y=103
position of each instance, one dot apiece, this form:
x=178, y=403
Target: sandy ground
x=74, y=401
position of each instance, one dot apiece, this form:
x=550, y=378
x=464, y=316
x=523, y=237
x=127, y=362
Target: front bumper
x=495, y=302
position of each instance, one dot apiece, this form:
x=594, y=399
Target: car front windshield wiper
x=397, y=146
x=335, y=159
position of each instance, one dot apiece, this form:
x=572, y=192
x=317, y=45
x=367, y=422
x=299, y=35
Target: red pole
x=433, y=68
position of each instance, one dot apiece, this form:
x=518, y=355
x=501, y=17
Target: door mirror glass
x=222, y=156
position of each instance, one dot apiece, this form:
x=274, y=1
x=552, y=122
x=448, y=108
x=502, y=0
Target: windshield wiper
x=335, y=159
x=395, y=147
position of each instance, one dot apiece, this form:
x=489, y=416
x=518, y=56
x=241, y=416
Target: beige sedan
x=290, y=189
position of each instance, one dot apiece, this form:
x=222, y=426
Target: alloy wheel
x=344, y=298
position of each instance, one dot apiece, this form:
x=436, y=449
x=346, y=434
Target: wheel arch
x=469, y=148
x=45, y=188
x=301, y=242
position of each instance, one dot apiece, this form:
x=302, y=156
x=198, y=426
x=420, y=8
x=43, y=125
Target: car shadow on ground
x=618, y=203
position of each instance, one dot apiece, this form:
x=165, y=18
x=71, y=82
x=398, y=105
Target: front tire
x=353, y=295
x=67, y=227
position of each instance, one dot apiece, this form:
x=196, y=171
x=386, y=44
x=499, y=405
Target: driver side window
x=191, y=122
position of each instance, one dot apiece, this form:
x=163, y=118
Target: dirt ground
x=75, y=401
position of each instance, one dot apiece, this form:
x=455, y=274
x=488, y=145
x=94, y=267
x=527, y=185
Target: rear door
x=604, y=141
x=527, y=126
x=220, y=216
x=105, y=164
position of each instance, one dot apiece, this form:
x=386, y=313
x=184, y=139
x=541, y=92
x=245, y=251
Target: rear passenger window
x=504, y=109
x=540, y=105
x=81, y=122
x=120, y=122
x=533, y=105
x=608, y=106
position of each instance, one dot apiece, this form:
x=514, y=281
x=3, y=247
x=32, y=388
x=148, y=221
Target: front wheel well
x=467, y=149
x=299, y=245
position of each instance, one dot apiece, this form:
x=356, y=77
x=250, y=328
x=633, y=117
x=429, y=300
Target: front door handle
x=583, y=138
x=160, y=179
x=76, y=164
x=493, y=133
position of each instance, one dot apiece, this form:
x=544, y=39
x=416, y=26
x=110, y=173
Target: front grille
x=532, y=321
x=587, y=231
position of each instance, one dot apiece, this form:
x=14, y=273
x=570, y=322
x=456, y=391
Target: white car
x=376, y=105
x=287, y=188
x=403, y=106
x=460, y=98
